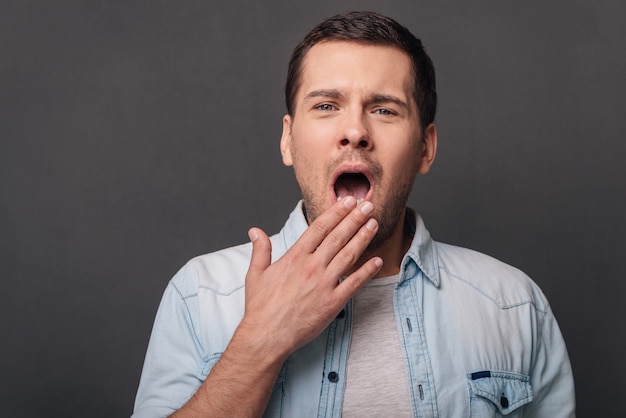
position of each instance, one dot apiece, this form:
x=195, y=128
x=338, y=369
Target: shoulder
x=501, y=283
x=222, y=272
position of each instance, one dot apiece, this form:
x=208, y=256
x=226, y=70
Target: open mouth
x=352, y=184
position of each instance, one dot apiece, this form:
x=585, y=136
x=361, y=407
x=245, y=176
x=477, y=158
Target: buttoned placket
x=409, y=317
x=335, y=364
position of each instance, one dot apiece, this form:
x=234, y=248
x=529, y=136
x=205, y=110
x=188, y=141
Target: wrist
x=255, y=347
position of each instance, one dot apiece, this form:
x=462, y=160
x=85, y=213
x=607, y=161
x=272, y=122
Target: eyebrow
x=386, y=98
x=372, y=98
x=330, y=93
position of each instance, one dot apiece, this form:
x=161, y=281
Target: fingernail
x=348, y=201
x=253, y=235
x=378, y=262
x=367, y=207
x=371, y=224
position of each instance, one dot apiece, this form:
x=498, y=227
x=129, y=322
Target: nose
x=355, y=132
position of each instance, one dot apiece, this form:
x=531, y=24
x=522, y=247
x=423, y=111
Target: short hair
x=374, y=29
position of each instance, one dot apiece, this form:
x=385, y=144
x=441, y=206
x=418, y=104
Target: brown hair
x=375, y=29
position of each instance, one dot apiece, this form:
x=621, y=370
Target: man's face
x=356, y=130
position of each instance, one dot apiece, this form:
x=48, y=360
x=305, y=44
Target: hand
x=292, y=301
x=287, y=305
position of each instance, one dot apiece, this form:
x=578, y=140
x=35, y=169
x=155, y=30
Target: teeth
x=358, y=201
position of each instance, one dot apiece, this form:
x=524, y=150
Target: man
x=352, y=309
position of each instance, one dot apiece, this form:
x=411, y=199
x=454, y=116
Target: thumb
x=261, y=252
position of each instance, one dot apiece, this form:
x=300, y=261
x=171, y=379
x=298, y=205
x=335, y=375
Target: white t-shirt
x=376, y=384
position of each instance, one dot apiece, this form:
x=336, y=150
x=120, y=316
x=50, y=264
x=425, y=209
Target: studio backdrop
x=135, y=135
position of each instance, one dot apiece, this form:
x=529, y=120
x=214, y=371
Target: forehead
x=356, y=67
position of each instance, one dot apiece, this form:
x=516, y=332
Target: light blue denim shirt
x=478, y=337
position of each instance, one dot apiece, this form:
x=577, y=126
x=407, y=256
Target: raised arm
x=287, y=305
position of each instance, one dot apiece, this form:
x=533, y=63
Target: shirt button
x=504, y=402
x=341, y=314
x=333, y=377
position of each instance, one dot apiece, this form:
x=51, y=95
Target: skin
x=354, y=110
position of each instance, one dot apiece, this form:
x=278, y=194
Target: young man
x=352, y=309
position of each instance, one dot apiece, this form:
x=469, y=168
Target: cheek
x=400, y=175
x=412, y=156
x=403, y=160
x=316, y=132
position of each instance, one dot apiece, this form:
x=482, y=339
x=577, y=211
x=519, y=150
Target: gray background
x=135, y=135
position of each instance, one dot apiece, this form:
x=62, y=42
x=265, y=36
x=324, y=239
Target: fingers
x=261, y=252
x=351, y=284
x=342, y=260
x=350, y=237
x=325, y=223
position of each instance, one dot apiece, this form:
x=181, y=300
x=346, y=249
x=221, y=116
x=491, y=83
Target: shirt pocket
x=498, y=393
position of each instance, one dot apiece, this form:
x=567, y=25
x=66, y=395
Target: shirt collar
x=422, y=250
x=294, y=227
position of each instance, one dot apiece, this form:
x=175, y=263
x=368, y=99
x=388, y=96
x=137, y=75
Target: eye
x=325, y=107
x=383, y=111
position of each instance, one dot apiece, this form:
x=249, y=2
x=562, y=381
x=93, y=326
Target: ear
x=285, y=141
x=428, y=149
